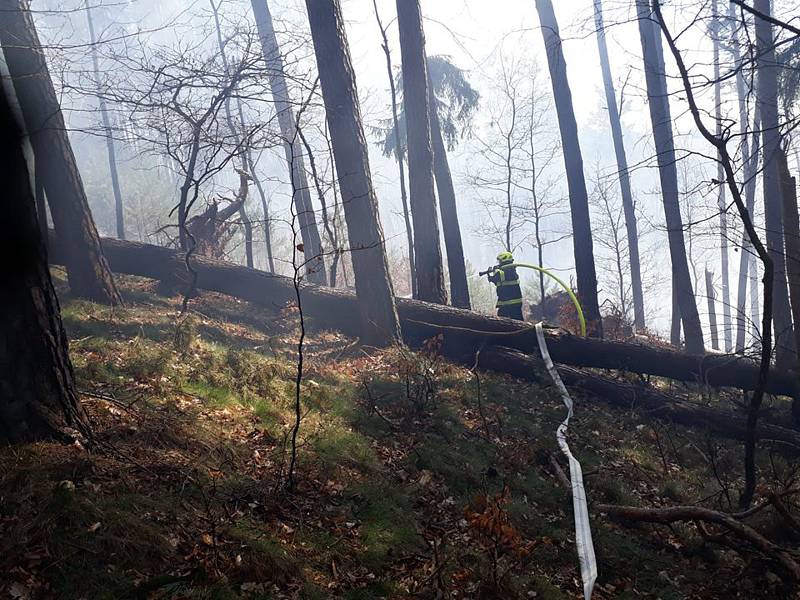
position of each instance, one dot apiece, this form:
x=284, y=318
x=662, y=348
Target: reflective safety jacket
x=506, y=282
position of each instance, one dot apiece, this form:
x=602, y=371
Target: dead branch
x=675, y=514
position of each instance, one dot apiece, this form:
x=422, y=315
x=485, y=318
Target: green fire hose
x=567, y=289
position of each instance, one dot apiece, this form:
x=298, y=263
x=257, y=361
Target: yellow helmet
x=505, y=257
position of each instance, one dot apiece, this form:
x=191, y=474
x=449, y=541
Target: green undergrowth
x=183, y=495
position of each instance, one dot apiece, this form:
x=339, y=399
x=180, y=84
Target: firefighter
x=506, y=281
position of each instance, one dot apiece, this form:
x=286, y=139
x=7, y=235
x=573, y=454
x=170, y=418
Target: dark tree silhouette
x=37, y=394
x=88, y=273
x=119, y=208
x=427, y=248
x=573, y=164
x=767, y=103
x=628, y=206
x=301, y=195
x=399, y=153
x=658, y=102
x=379, y=322
x=457, y=270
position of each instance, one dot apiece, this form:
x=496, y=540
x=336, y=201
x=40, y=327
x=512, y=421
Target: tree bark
x=427, y=247
x=658, y=102
x=727, y=324
x=398, y=153
x=334, y=309
x=37, y=390
x=237, y=138
x=379, y=323
x=88, y=273
x=791, y=234
x=767, y=102
x=627, y=395
x=750, y=158
x=459, y=289
x=301, y=193
x=712, y=310
x=573, y=164
x=119, y=209
x=622, y=168
x=675, y=320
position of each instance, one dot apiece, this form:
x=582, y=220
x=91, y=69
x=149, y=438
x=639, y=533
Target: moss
x=674, y=490
x=335, y=444
x=216, y=397
x=388, y=528
x=264, y=559
x=379, y=589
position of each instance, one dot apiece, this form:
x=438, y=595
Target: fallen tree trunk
x=628, y=395
x=335, y=309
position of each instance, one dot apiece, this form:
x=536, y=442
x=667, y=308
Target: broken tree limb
x=698, y=513
x=336, y=309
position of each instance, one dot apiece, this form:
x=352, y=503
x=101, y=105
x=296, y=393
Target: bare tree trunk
x=622, y=167
x=658, y=102
x=727, y=325
x=88, y=273
x=379, y=322
x=251, y=169
x=399, y=153
x=427, y=247
x=37, y=396
x=119, y=210
x=767, y=99
x=237, y=138
x=573, y=163
x=720, y=143
x=301, y=196
x=755, y=308
x=791, y=233
x=675, y=322
x=750, y=158
x=330, y=228
x=712, y=310
x=339, y=250
x=459, y=290
x=41, y=206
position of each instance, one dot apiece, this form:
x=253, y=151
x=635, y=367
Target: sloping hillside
x=415, y=477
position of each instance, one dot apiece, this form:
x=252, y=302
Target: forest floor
x=415, y=477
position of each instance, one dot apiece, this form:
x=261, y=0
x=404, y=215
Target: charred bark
x=211, y=230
